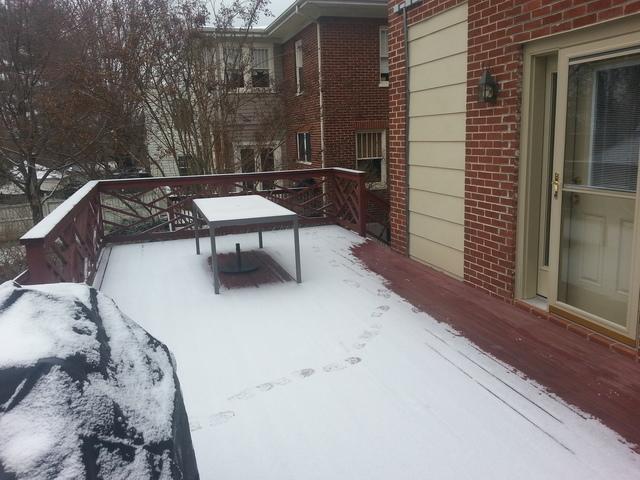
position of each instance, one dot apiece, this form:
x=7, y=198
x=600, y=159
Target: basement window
x=370, y=153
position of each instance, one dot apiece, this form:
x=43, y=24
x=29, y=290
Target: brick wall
x=303, y=110
x=497, y=30
x=352, y=97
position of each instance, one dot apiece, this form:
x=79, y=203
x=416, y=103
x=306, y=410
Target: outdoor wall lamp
x=488, y=88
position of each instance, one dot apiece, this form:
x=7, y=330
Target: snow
x=243, y=207
x=340, y=378
x=80, y=381
x=44, y=226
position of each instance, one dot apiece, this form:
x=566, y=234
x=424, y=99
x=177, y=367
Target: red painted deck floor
x=586, y=374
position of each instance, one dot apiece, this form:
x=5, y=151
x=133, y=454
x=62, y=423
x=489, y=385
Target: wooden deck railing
x=66, y=245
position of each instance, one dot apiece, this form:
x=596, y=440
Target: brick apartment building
x=527, y=190
x=336, y=90
x=328, y=62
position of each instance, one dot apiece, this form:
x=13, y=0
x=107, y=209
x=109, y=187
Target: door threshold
x=539, y=302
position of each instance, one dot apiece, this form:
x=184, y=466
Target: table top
x=241, y=209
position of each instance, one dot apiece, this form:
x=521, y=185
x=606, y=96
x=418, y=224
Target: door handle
x=556, y=184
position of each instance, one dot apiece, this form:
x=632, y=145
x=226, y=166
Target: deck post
x=37, y=264
x=362, y=205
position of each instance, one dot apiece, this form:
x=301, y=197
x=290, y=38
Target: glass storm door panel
x=551, y=84
x=602, y=145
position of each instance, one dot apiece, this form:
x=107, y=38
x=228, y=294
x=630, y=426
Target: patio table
x=241, y=210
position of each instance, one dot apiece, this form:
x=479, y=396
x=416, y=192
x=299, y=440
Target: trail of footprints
x=371, y=332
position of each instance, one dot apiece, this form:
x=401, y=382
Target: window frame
x=382, y=184
x=247, y=52
x=307, y=148
x=276, y=151
x=299, y=66
x=381, y=81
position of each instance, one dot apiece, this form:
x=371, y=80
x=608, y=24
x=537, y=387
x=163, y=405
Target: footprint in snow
x=265, y=387
x=383, y=308
x=367, y=334
x=416, y=310
x=304, y=373
x=351, y=283
x=243, y=395
x=221, y=417
x=383, y=293
x=282, y=381
x=333, y=367
x=194, y=425
x=359, y=346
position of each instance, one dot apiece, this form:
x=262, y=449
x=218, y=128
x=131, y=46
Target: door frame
x=596, y=50
x=598, y=39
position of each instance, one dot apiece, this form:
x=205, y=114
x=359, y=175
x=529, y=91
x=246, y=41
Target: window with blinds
x=370, y=155
x=603, y=124
x=260, y=67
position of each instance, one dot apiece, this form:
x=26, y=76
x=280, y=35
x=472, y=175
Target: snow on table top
x=340, y=378
x=243, y=207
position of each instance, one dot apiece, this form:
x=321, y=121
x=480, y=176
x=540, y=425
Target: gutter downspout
x=397, y=9
x=407, y=99
x=320, y=95
x=402, y=8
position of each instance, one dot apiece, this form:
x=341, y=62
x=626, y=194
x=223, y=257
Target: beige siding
x=438, y=74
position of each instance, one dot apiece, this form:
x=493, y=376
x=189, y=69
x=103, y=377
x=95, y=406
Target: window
x=304, y=147
x=260, y=67
x=234, y=71
x=183, y=162
x=299, y=76
x=603, y=124
x=370, y=156
x=384, y=57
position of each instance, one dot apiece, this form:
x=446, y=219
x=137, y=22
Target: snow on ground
x=339, y=378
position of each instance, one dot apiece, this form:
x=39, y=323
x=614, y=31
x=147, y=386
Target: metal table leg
x=195, y=228
x=296, y=242
x=214, y=260
x=260, y=237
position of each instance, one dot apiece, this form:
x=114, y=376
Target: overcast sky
x=276, y=7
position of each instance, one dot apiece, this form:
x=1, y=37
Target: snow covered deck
x=340, y=378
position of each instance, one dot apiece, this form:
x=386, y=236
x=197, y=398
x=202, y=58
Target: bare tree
x=48, y=114
x=202, y=80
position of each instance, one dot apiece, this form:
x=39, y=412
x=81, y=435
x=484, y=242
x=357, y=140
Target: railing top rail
x=55, y=219
x=225, y=177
